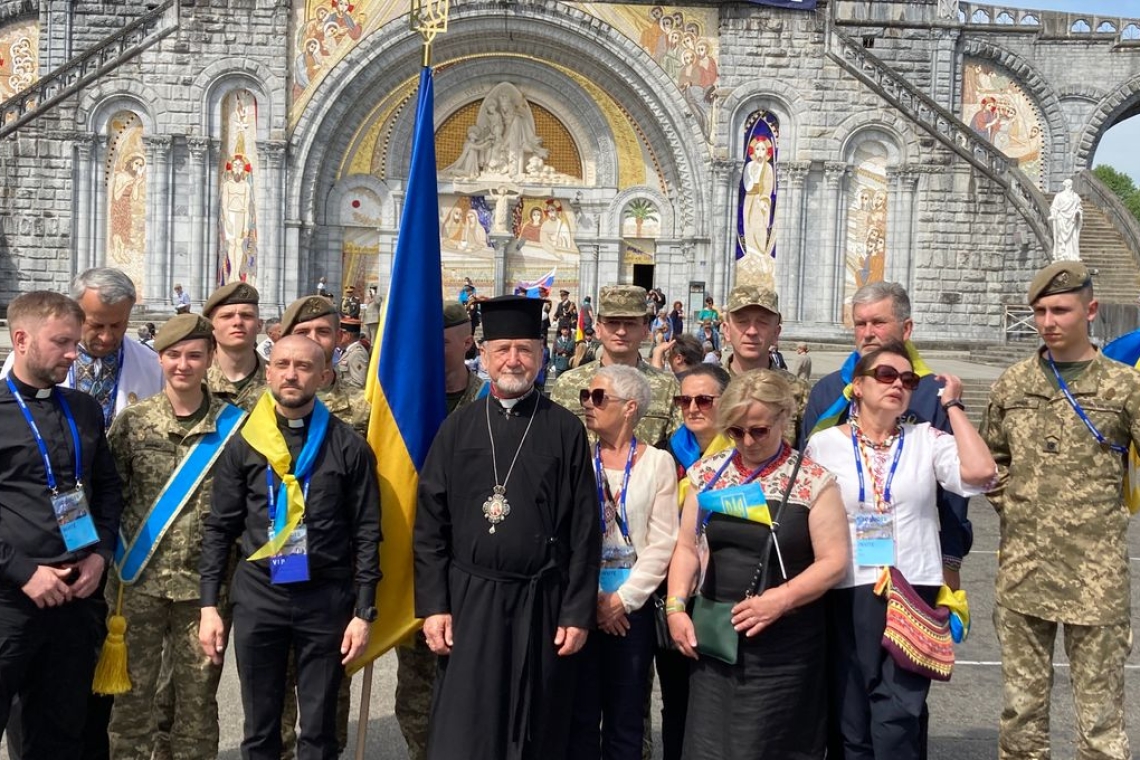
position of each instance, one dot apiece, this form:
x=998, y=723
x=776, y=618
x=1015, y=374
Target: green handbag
x=712, y=624
x=712, y=620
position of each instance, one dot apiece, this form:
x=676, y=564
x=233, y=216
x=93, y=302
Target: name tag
x=746, y=502
x=874, y=539
x=74, y=519
x=617, y=562
x=291, y=564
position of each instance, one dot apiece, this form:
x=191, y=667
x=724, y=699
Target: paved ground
x=964, y=712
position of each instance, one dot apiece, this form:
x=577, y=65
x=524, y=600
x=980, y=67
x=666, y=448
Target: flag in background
x=1126, y=349
x=405, y=384
x=534, y=289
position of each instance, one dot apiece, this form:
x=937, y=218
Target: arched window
x=1004, y=18
x=1106, y=27
x=1131, y=32
x=1030, y=20
x=1080, y=26
x=980, y=17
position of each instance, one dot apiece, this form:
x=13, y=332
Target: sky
x=1118, y=146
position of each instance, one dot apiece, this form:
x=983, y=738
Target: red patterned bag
x=917, y=636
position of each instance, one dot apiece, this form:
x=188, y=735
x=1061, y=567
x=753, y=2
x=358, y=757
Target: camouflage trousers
x=155, y=625
x=415, y=683
x=289, y=713
x=1096, y=666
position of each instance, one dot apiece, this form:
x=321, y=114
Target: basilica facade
x=578, y=143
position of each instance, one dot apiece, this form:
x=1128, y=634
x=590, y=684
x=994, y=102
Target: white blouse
x=651, y=512
x=929, y=459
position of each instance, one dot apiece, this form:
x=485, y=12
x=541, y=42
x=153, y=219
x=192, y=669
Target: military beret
x=180, y=328
x=350, y=325
x=455, y=314
x=304, y=310
x=1059, y=277
x=621, y=301
x=743, y=296
x=234, y=293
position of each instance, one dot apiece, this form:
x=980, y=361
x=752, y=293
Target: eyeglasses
x=704, y=403
x=887, y=375
x=598, y=397
x=757, y=433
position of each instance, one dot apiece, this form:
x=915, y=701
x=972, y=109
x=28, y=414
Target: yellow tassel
x=111, y=676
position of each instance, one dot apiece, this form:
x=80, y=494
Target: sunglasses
x=887, y=375
x=757, y=433
x=597, y=397
x=704, y=403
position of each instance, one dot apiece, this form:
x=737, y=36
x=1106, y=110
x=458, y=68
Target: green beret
x=622, y=301
x=180, y=328
x=743, y=296
x=1059, y=277
x=227, y=295
x=304, y=310
x=455, y=314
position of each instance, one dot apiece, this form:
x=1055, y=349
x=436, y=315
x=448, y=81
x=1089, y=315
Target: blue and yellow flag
x=405, y=384
x=1126, y=349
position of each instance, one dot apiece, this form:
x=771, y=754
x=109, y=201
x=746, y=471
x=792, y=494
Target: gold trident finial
x=429, y=18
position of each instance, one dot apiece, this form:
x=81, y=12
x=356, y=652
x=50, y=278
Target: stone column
x=722, y=232
x=609, y=262
x=157, y=255
x=198, y=194
x=211, y=221
x=791, y=264
x=270, y=260
x=943, y=67
x=83, y=196
x=903, y=185
x=829, y=297
x=588, y=272
x=99, y=202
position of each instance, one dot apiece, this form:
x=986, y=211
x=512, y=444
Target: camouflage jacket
x=221, y=386
x=474, y=387
x=353, y=366
x=148, y=444
x=800, y=390
x=347, y=405
x=1063, y=553
x=657, y=424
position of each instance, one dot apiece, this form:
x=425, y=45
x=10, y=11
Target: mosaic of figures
x=125, y=174
x=756, y=208
x=360, y=252
x=326, y=31
x=19, y=57
x=237, y=233
x=866, y=242
x=999, y=110
x=683, y=41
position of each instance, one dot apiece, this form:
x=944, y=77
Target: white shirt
x=651, y=512
x=929, y=459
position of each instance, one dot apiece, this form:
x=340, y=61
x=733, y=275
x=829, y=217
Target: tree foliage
x=1121, y=186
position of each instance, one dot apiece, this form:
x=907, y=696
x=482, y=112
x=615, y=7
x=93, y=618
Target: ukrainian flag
x=405, y=384
x=1126, y=349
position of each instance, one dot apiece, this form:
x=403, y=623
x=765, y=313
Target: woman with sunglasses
x=888, y=472
x=772, y=567
x=637, y=515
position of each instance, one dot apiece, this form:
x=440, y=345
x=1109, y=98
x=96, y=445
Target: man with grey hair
x=881, y=314
x=115, y=371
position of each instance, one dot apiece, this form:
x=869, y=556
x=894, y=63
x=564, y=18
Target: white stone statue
x=503, y=143
x=1067, y=217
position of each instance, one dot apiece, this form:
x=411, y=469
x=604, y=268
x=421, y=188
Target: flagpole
x=428, y=18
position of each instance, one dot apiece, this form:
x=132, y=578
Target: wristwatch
x=367, y=614
x=954, y=402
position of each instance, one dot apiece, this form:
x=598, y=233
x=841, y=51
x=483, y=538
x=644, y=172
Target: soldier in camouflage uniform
x=315, y=318
x=415, y=675
x=752, y=325
x=622, y=326
x=148, y=441
x=1063, y=558
x=238, y=372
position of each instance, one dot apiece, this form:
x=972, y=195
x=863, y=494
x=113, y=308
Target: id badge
x=291, y=564
x=617, y=564
x=874, y=539
x=74, y=519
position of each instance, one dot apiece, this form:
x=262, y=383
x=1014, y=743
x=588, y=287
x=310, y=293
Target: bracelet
x=675, y=604
x=954, y=402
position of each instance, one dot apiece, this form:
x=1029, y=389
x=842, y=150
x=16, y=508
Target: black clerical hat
x=511, y=317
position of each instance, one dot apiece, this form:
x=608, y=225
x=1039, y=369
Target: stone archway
x=1116, y=106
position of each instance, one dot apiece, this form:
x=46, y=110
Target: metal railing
x=1017, y=323
x=88, y=66
x=948, y=129
x=1087, y=185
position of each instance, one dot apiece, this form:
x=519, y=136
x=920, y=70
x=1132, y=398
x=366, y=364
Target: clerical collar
x=510, y=403
x=295, y=424
x=30, y=391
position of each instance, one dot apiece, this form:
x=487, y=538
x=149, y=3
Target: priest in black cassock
x=506, y=556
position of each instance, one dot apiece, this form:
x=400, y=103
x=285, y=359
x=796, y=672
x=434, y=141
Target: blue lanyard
x=704, y=521
x=271, y=497
x=1099, y=436
x=603, y=487
x=107, y=415
x=890, y=475
x=40, y=441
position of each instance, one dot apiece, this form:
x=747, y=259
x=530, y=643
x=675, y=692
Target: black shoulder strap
x=760, y=578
